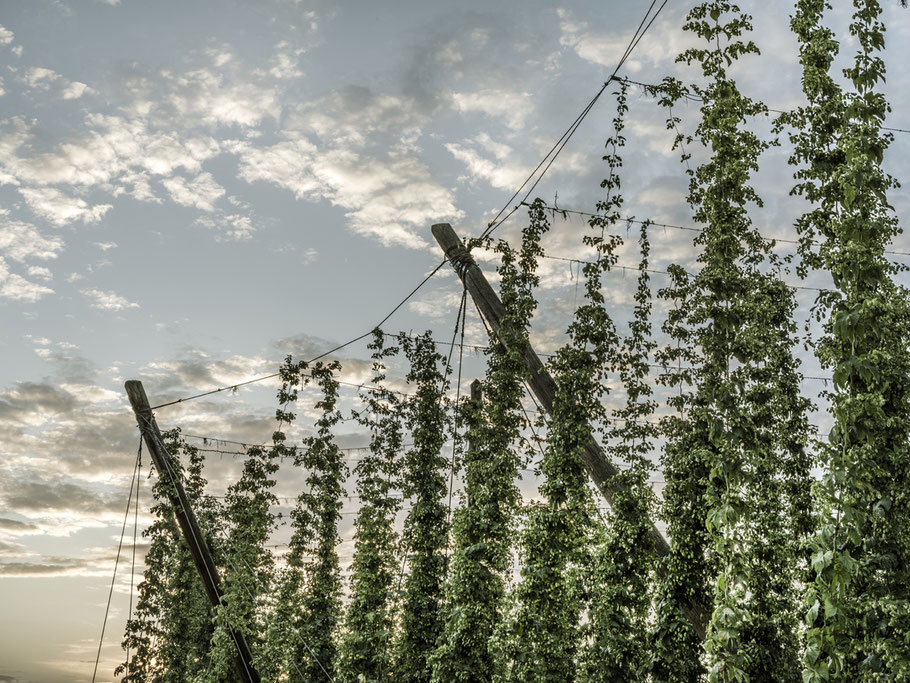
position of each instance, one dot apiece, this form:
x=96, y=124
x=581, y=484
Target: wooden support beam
x=598, y=466
x=202, y=557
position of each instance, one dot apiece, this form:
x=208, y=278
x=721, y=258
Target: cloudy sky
x=191, y=191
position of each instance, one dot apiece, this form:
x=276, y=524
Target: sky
x=189, y=192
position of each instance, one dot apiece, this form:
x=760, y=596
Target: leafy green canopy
x=858, y=604
x=735, y=460
x=426, y=529
x=170, y=631
x=367, y=636
x=483, y=528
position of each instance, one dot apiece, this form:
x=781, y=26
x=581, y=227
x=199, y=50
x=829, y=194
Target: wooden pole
x=202, y=557
x=473, y=413
x=598, y=466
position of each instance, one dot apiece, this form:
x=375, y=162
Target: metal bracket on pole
x=202, y=557
x=598, y=466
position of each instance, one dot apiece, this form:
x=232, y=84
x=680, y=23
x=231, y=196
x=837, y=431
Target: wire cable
x=560, y=144
x=783, y=240
x=320, y=356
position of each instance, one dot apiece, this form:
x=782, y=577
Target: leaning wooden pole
x=599, y=468
x=202, y=557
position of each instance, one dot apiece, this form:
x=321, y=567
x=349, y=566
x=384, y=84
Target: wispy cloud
x=14, y=287
x=201, y=192
x=107, y=300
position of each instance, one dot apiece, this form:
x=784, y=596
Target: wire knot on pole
x=460, y=258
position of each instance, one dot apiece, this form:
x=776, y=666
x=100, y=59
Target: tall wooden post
x=598, y=466
x=473, y=416
x=202, y=557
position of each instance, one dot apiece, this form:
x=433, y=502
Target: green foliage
x=549, y=598
x=744, y=424
x=619, y=600
x=280, y=641
x=624, y=560
x=483, y=527
x=249, y=565
x=593, y=603
x=858, y=604
x=364, y=650
x=426, y=529
x=170, y=631
x=316, y=534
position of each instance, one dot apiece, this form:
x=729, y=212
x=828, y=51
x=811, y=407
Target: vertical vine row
x=744, y=423
x=483, y=527
x=858, y=605
x=367, y=637
x=426, y=529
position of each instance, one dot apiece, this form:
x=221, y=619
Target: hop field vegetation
x=801, y=578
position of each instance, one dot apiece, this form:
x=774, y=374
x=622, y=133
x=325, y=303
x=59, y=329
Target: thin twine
x=110, y=594
x=462, y=313
x=129, y=615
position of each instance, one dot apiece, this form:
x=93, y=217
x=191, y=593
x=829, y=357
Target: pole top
x=138, y=399
x=453, y=247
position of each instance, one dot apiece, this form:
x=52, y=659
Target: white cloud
x=60, y=209
x=16, y=288
x=512, y=107
x=392, y=199
x=40, y=77
x=6, y=36
x=108, y=301
x=285, y=62
x=116, y=153
x=90, y=393
x=21, y=241
x=75, y=90
x=233, y=226
x=203, y=96
x=41, y=273
x=660, y=45
x=354, y=116
x=201, y=192
x=439, y=307
x=499, y=171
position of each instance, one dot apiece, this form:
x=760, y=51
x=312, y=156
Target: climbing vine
x=316, y=533
x=171, y=628
x=744, y=422
x=625, y=557
x=364, y=650
x=249, y=565
x=483, y=528
x=550, y=597
x=858, y=606
x=426, y=529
